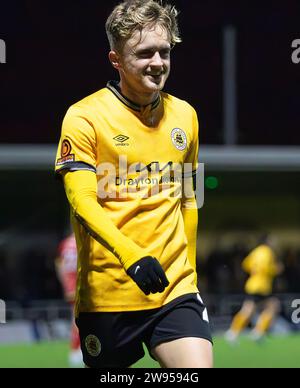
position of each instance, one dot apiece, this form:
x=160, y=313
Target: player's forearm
x=190, y=219
x=81, y=190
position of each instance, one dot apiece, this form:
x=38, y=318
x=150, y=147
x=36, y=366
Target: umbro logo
x=121, y=139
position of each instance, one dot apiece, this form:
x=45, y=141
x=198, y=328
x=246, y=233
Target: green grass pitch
x=274, y=352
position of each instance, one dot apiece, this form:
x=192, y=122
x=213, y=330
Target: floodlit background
x=235, y=67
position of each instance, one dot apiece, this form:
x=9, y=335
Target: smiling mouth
x=155, y=76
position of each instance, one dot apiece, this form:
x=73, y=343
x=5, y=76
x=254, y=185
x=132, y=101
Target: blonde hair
x=133, y=15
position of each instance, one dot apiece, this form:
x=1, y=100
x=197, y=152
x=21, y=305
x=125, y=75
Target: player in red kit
x=66, y=266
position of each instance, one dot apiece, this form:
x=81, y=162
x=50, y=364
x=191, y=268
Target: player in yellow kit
x=262, y=267
x=127, y=155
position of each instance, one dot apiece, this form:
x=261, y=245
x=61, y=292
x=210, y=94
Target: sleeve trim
x=76, y=166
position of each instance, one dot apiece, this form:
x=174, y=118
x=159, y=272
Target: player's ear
x=114, y=59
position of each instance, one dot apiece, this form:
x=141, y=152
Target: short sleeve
x=191, y=167
x=192, y=155
x=77, y=145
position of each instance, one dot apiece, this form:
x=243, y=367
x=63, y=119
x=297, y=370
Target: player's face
x=145, y=61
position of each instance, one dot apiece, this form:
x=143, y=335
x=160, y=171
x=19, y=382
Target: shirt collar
x=114, y=87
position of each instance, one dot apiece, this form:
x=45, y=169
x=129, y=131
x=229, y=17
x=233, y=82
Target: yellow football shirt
x=138, y=156
x=262, y=268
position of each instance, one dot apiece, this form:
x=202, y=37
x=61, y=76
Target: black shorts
x=257, y=298
x=115, y=339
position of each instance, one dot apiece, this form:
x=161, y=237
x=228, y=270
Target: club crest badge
x=179, y=139
x=93, y=345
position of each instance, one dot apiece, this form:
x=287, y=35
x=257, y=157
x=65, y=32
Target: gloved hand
x=149, y=275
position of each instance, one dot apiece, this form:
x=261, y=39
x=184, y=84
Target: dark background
x=57, y=54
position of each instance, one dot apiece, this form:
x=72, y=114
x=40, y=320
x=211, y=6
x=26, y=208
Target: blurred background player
x=262, y=267
x=66, y=267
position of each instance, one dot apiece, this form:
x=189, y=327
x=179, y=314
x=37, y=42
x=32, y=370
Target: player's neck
x=138, y=98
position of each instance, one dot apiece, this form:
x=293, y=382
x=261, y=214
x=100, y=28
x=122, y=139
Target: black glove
x=148, y=275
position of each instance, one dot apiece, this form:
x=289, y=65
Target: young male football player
x=123, y=155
